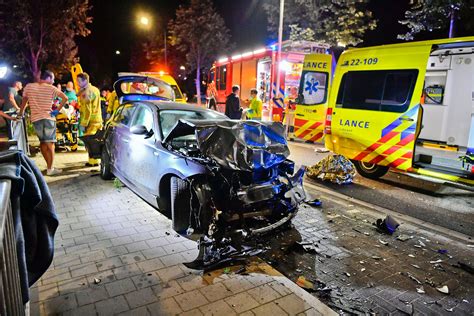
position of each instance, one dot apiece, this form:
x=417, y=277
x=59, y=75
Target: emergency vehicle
x=258, y=70
x=384, y=99
x=311, y=104
x=179, y=97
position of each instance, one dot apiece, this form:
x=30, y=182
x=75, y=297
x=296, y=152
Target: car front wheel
x=105, y=172
x=180, y=204
x=370, y=170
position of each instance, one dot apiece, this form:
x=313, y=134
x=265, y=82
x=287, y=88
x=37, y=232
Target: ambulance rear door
x=374, y=104
x=313, y=97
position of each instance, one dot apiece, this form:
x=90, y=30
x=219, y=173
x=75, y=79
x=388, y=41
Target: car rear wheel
x=370, y=170
x=180, y=207
x=105, y=172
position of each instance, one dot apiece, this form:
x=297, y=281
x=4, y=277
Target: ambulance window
x=313, y=88
x=380, y=90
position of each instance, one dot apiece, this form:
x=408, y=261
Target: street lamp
x=117, y=52
x=144, y=20
x=182, y=68
x=3, y=71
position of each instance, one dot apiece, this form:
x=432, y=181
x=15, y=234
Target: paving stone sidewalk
x=114, y=254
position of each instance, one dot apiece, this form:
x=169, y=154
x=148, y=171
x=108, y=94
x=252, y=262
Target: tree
x=38, y=33
x=431, y=15
x=330, y=21
x=200, y=33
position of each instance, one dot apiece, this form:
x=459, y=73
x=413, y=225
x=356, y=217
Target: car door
x=143, y=156
x=119, y=138
x=375, y=103
x=312, y=100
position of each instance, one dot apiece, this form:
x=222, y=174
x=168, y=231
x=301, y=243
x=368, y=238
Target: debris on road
x=422, y=244
x=444, y=289
x=383, y=242
x=334, y=168
x=420, y=290
x=97, y=281
x=404, y=237
x=416, y=266
x=436, y=261
x=413, y=278
x=387, y=225
x=443, y=251
x=315, y=202
x=321, y=150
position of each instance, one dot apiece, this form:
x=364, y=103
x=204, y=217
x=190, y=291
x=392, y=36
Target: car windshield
x=147, y=86
x=168, y=118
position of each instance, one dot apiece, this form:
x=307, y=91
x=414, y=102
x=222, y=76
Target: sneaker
x=53, y=172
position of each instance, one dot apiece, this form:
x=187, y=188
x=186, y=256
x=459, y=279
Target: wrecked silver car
x=249, y=186
x=219, y=179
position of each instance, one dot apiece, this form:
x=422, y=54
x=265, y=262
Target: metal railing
x=11, y=302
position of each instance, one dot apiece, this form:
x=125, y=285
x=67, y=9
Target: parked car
x=211, y=175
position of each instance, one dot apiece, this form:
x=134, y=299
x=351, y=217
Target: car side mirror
x=139, y=130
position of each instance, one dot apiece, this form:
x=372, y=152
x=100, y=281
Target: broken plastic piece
x=302, y=282
x=442, y=251
x=97, y=281
x=416, y=266
x=315, y=202
x=444, y=289
x=388, y=225
x=436, y=261
x=383, y=242
x=420, y=290
x=404, y=237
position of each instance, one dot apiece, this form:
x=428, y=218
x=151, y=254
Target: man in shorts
x=39, y=96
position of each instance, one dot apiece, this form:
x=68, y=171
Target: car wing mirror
x=139, y=130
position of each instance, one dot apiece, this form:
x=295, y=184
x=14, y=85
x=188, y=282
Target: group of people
x=46, y=100
x=234, y=110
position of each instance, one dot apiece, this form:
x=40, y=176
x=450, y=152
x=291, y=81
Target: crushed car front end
x=250, y=187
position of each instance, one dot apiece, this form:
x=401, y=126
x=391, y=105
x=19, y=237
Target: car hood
x=237, y=145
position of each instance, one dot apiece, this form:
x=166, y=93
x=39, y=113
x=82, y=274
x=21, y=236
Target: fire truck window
x=380, y=90
x=222, y=78
x=313, y=88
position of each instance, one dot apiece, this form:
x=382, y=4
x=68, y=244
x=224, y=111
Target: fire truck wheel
x=370, y=170
x=212, y=105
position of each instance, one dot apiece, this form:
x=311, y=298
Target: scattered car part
x=387, y=225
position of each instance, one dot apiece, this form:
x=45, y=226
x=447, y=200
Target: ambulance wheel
x=370, y=170
x=180, y=208
x=212, y=105
x=105, y=172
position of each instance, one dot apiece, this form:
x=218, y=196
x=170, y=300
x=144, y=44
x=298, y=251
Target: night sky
x=114, y=28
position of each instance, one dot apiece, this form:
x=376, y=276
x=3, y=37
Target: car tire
x=180, y=208
x=370, y=170
x=105, y=172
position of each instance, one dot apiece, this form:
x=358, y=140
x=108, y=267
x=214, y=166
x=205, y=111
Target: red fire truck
x=258, y=69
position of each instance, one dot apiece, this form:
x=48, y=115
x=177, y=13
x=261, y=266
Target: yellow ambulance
x=313, y=97
x=376, y=109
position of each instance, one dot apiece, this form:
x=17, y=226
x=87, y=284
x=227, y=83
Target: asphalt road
x=438, y=204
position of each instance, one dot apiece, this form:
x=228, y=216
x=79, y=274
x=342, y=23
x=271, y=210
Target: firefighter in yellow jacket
x=89, y=107
x=113, y=103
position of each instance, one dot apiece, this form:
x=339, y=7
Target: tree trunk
x=35, y=71
x=198, y=83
